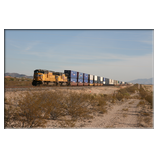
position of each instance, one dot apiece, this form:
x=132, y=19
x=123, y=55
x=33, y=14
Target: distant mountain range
x=17, y=75
x=143, y=81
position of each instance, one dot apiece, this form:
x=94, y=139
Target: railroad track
x=47, y=87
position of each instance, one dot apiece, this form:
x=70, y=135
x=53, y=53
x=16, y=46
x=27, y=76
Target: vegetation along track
x=79, y=107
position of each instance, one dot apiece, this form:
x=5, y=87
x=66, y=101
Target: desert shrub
x=53, y=105
x=141, y=103
x=147, y=96
x=123, y=93
x=67, y=123
x=99, y=104
x=119, y=96
x=34, y=109
x=131, y=102
x=8, y=116
x=125, y=109
x=76, y=106
x=30, y=111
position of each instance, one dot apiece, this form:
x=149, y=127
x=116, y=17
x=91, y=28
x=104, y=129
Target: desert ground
x=129, y=111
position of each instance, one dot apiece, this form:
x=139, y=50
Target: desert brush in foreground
x=36, y=109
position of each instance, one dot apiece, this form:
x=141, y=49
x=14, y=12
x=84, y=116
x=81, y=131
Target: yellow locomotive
x=46, y=76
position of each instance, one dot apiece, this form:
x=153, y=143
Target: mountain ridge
x=17, y=75
x=143, y=81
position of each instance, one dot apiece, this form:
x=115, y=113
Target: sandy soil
x=124, y=114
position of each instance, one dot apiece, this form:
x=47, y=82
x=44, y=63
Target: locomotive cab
x=42, y=77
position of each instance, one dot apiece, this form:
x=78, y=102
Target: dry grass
x=148, y=96
x=13, y=81
x=33, y=109
x=131, y=102
x=145, y=116
x=125, y=109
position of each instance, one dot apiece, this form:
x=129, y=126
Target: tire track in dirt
x=120, y=116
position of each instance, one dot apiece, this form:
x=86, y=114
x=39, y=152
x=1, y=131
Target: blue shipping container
x=85, y=81
x=80, y=80
x=72, y=80
x=85, y=76
x=79, y=75
x=91, y=81
x=103, y=78
x=71, y=74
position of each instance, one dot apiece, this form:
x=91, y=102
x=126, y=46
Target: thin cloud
x=31, y=45
x=147, y=42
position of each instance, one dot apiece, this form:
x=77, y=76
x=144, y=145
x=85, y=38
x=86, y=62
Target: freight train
x=71, y=78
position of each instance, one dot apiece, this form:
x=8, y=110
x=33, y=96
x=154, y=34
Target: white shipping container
x=101, y=78
x=110, y=81
x=95, y=78
x=90, y=77
x=103, y=82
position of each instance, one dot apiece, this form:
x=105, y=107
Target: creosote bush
x=147, y=96
x=34, y=109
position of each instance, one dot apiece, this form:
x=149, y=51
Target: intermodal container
x=80, y=81
x=95, y=81
x=72, y=81
x=85, y=76
x=106, y=81
x=115, y=82
x=98, y=79
x=85, y=82
x=90, y=82
x=111, y=81
x=90, y=77
x=71, y=74
x=101, y=78
x=103, y=82
x=79, y=75
x=94, y=78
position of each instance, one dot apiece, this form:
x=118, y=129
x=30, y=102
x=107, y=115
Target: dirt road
x=123, y=115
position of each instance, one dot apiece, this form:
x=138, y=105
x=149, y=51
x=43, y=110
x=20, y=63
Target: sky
x=122, y=55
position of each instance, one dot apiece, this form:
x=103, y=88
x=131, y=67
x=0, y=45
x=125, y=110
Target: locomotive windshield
x=39, y=71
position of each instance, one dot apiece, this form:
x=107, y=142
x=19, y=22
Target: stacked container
x=72, y=77
x=90, y=80
x=98, y=80
x=95, y=80
x=85, y=79
x=111, y=82
x=101, y=81
x=107, y=81
x=79, y=78
x=115, y=82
